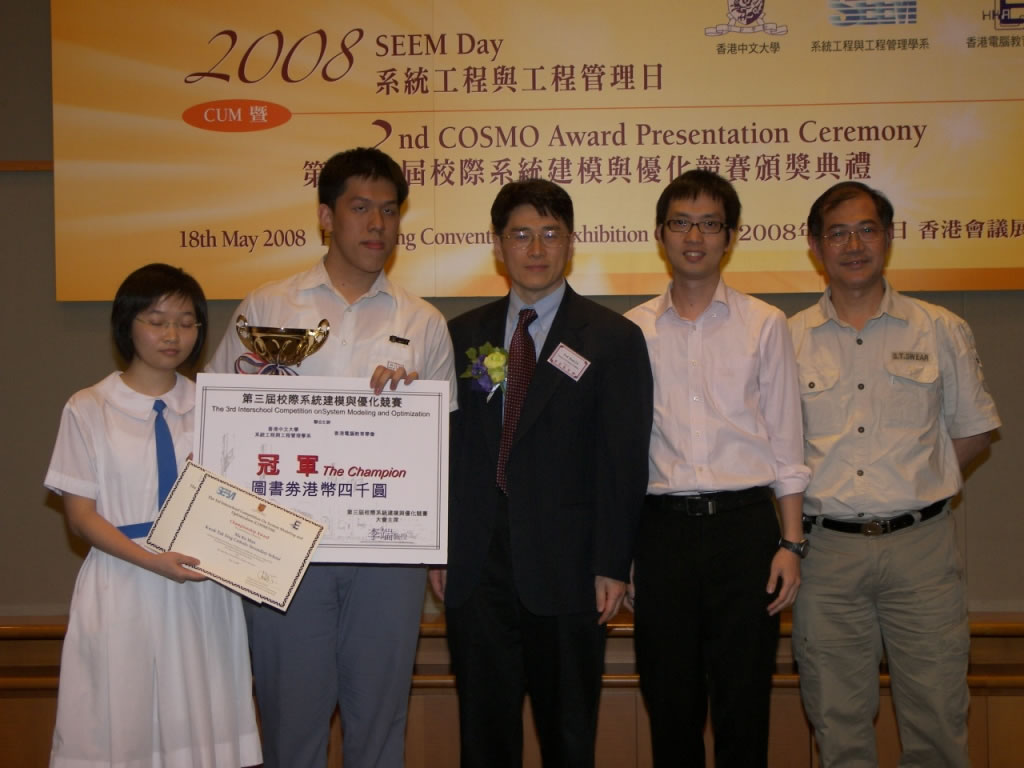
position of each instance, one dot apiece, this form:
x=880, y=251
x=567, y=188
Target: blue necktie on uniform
x=166, y=466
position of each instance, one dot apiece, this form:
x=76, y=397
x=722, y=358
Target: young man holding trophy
x=349, y=636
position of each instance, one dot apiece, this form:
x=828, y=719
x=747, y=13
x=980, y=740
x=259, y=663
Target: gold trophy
x=274, y=350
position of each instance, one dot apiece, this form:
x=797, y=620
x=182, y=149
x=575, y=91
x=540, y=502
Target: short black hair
x=366, y=163
x=145, y=287
x=840, y=193
x=693, y=184
x=546, y=197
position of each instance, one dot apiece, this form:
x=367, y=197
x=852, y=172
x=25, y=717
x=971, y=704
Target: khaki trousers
x=902, y=592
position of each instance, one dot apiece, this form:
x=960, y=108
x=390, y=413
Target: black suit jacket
x=577, y=471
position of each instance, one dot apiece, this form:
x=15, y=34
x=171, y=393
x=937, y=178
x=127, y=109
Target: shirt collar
x=317, y=276
x=180, y=399
x=546, y=307
x=720, y=297
x=892, y=304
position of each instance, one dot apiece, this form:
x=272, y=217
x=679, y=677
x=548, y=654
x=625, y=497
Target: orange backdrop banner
x=193, y=133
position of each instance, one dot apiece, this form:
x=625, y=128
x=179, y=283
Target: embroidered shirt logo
x=919, y=356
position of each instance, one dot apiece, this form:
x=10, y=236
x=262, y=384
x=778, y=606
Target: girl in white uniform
x=155, y=669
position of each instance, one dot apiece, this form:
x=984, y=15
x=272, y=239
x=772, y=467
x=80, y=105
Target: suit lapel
x=565, y=328
x=492, y=329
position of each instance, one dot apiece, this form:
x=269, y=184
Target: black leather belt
x=877, y=527
x=704, y=504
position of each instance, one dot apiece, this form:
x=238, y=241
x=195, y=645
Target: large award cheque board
x=372, y=469
x=193, y=133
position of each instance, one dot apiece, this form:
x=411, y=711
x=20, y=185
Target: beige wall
x=52, y=349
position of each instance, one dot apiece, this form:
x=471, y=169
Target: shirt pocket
x=913, y=394
x=395, y=352
x=822, y=405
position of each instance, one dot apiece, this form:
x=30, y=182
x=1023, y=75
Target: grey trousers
x=348, y=639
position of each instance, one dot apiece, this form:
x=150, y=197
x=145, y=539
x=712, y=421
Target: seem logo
x=869, y=13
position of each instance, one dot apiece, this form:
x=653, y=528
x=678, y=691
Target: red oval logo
x=235, y=115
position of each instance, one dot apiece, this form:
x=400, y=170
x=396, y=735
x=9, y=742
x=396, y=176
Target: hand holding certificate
x=244, y=542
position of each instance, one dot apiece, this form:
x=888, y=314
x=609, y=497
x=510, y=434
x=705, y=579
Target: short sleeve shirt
x=109, y=427
x=386, y=326
x=881, y=406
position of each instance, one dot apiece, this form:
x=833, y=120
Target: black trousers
x=703, y=632
x=501, y=651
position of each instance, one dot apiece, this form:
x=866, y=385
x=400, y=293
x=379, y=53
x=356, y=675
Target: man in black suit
x=542, y=526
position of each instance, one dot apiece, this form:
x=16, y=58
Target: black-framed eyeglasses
x=706, y=226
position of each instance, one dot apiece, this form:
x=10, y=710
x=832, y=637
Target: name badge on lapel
x=569, y=362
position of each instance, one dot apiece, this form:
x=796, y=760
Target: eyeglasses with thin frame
x=706, y=226
x=866, y=233
x=521, y=238
x=164, y=325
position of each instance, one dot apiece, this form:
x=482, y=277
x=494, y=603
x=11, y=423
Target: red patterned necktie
x=522, y=359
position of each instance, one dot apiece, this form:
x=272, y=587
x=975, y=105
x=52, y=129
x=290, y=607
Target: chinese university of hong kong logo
x=746, y=16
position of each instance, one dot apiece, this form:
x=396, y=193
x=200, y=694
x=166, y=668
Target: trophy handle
x=320, y=336
x=242, y=328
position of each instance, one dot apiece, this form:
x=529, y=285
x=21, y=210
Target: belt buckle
x=874, y=528
x=698, y=506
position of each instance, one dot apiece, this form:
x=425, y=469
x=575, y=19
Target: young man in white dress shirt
x=349, y=637
x=711, y=570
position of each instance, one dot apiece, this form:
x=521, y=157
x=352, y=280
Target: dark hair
x=364, y=163
x=145, y=287
x=840, y=193
x=692, y=185
x=547, y=198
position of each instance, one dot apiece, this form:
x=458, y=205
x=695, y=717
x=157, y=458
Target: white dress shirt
x=726, y=397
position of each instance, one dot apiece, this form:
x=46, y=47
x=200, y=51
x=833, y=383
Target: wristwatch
x=796, y=547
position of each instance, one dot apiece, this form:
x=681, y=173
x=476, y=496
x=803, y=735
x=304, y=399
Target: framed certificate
x=246, y=543
x=372, y=469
